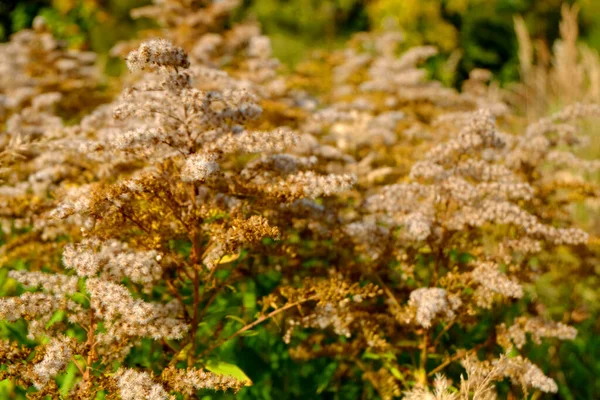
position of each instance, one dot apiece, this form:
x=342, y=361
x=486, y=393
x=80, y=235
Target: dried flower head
x=156, y=54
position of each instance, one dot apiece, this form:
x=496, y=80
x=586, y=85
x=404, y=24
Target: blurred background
x=481, y=30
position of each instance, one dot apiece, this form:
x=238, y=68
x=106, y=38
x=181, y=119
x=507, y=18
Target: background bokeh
x=482, y=30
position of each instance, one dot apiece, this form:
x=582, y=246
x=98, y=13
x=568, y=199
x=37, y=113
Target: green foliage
x=483, y=30
x=92, y=24
x=300, y=25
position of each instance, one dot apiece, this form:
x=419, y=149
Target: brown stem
x=174, y=211
x=195, y=320
x=387, y=290
x=92, y=346
x=439, y=259
x=166, y=343
x=182, y=268
x=188, y=133
x=78, y=366
x=422, y=377
x=439, y=336
x=130, y=218
x=457, y=356
x=448, y=361
x=176, y=293
x=195, y=261
x=369, y=377
x=213, y=297
x=208, y=278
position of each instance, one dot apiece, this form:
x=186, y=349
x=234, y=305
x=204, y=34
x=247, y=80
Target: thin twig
x=387, y=290
x=178, y=296
x=439, y=336
x=77, y=365
x=448, y=361
x=260, y=319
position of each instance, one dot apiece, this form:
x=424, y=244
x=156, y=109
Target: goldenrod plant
x=353, y=229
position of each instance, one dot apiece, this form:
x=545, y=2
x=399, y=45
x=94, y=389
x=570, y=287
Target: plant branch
x=260, y=319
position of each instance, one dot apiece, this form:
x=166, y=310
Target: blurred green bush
x=481, y=29
x=90, y=24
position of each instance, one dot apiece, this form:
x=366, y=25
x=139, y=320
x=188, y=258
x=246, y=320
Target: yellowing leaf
x=235, y=318
x=229, y=258
x=183, y=353
x=223, y=368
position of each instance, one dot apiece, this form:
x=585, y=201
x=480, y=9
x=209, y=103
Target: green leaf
x=183, y=353
x=374, y=356
x=249, y=333
x=68, y=380
x=371, y=356
x=325, y=377
x=228, y=258
x=236, y=318
x=57, y=317
x=397, y=374
x=249, y=299
x=465, y=258
x=232, y=288
x=80, y=299
x=223, y=368
x=17, y=330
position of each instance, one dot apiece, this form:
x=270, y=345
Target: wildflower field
x=227, y=199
